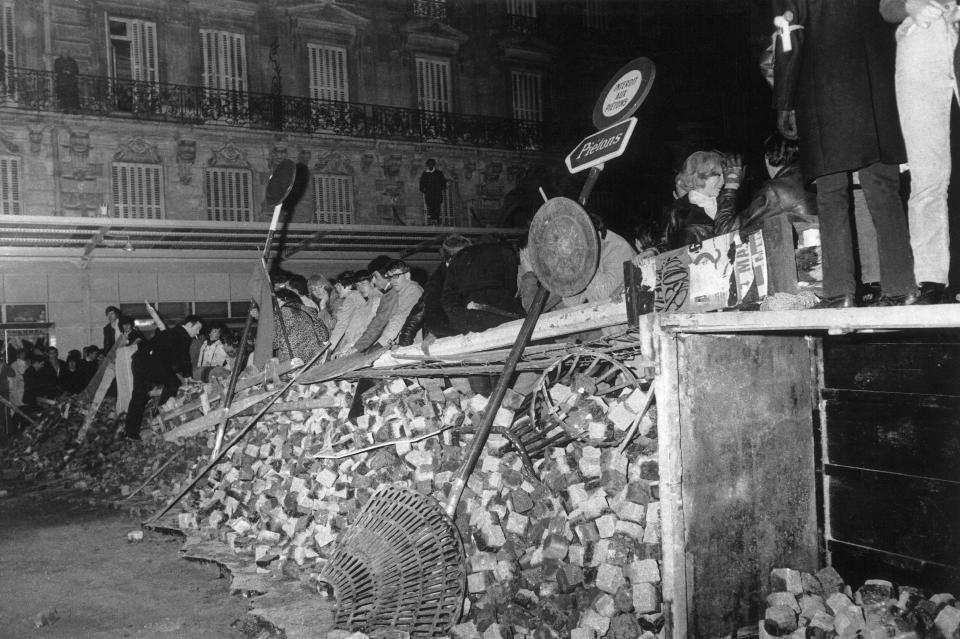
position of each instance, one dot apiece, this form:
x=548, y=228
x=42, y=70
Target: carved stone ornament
x=136, y=150
x=303, y=157
x=6, y=142
x=332, y=163
x=391, y=165
x=79, y=147
x=36, y=139
x=186, y=156
x=366, y=161
x=229, y=156
x=468, y=168
x=491, y=173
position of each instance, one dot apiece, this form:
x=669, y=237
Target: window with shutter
x=224, y=60
x=433, y=84
x=137, y=190
x=10, y=203
x=527, y=97
x=8, y=35
x=525, y=8
x=328, y=72
x=229, y=195
x=333, y=199
x=133, y=49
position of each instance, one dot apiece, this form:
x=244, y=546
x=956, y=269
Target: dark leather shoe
x=848, y=300
x=894, y=300
x=869, y=293
x=929, y=293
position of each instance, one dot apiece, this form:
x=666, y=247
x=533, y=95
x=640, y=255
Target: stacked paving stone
x=571, y=549
x=823, y=606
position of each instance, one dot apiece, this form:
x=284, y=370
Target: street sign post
x=624, y=93
x=601, y=146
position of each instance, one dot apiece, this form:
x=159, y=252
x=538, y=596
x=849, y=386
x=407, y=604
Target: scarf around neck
x=708, y=204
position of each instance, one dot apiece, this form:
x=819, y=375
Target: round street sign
x=624, y=94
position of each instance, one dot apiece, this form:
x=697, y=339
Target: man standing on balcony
x=65, y=72
x=432, y=184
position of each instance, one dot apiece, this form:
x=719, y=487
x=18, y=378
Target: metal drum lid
x=281, y=182
x=564, y=247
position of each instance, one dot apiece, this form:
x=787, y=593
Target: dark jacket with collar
x=687, y=223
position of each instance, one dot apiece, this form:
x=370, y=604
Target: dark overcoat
x=840, y=80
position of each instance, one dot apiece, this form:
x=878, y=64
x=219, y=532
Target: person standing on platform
x=165, y=360
x=845, y=115
x=111, y=330
x=433, y=184
x=926, y=86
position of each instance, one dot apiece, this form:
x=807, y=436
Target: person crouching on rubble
x=165, y=360
x=305, y=332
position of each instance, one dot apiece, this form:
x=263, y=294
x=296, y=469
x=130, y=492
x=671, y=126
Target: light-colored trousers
x=925, y=88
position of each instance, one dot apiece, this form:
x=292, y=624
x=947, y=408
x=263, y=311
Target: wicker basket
x=400, y=565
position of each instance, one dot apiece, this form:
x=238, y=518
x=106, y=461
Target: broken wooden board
x=338, y=367
x=213, y=392
x=213, y=418
x=576, y=319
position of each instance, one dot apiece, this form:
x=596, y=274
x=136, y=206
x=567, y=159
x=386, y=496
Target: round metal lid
x=564, y=246
x=281, y=182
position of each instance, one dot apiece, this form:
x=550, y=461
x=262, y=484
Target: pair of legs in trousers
x=144, y=377
x=925, y=88
x=881, y=188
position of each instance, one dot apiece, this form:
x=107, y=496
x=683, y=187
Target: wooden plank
x=566, y=321
x=903, y=366
x=917, y=518
x=212, y=418
x=749, y=505
x=835, y=320
x=674, y=580
x=913, y=435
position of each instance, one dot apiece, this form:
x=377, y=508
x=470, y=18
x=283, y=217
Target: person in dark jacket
x=705, y=207
x=165, y=360
x=835, y=91
x=111, y=330
x=39, y=381
x=72, y=377
x=785, y=192
x=480, y=286
x=432, y=184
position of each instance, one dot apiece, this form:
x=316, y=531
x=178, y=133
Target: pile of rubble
x=569, y=542
x=823, y=606
x=102, y=461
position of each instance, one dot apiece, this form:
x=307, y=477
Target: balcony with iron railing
x=523, y=25
x=44, y=91
x=430, y=9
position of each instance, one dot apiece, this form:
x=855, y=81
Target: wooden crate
x=771, y=427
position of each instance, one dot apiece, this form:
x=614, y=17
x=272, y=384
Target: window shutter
x=137, y=190
x=224, y=60
x=228, y=195
x=527, y=100
x=328, y=72
x=10, y=186
x=433, y=84
x=8, y=35
x=527, y=8
x=333, y=198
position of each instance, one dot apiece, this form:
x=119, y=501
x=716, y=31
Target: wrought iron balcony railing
x=525, y=25
x=37, y=90
x=432, y=9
